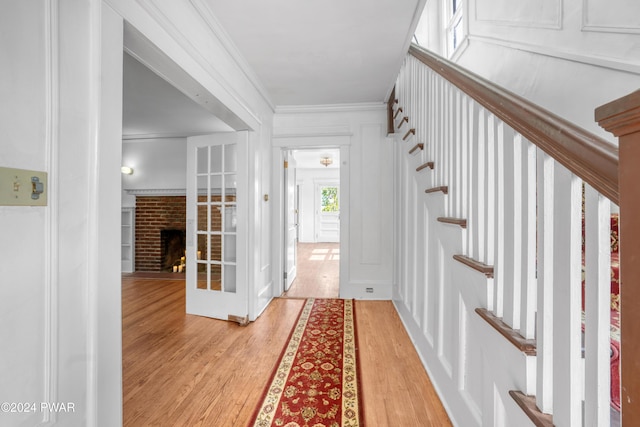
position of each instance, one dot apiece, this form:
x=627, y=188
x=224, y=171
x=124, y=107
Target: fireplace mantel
x=157, y=192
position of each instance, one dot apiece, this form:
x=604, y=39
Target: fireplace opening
x=173, y=245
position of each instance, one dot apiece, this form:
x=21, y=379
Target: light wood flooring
x=318, y=271
x=185, y=370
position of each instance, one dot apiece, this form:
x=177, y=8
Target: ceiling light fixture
x=326, y=161
x=127, y=170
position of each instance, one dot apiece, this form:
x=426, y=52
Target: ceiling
x=303, y=53
x=152, y=108
x=321, y=52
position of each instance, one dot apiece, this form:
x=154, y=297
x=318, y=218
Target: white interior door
x=327, y=212
x=291, y=218
x=217, y=198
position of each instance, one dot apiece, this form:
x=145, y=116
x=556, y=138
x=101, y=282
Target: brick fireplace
x=161, y=228
x=153, y=215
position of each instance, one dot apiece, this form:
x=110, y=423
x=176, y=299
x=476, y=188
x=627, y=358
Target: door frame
x=313, y=141
x=122, y=30
x=291, y=164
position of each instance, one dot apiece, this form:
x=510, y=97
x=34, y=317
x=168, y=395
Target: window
x=455, y=32
x=329, y=199
x=442, y=29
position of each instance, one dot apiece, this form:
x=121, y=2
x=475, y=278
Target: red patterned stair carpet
x=315, y=383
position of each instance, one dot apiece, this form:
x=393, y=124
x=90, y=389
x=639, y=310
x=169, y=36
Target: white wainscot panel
x=615, y=16
x=527, y=13
x=371, y=181
x=446, y=328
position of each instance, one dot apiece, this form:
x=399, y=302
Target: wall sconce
x=127, y=170
x=326, y=161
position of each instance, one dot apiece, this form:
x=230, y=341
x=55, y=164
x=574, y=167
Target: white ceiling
x=152, y=108
x=321, y=52
x=302, y=52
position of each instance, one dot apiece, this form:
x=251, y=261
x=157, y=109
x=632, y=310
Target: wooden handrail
x=590, y=157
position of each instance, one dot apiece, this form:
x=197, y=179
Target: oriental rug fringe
x=315, y=384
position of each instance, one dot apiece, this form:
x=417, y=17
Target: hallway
x=182, y=369
x=318, y=271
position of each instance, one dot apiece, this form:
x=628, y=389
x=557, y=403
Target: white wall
x=25, y=231
x=568, y=56
x=306, y=180
x=61, y=113
x=157, y=164
x=50, y=109
x=366, y=231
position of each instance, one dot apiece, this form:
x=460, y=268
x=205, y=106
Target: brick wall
x=153, y=214
x=157, y=213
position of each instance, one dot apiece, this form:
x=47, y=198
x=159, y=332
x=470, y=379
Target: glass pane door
x=216, y=217
x=217, y=224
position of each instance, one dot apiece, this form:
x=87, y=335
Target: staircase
x=494, y=197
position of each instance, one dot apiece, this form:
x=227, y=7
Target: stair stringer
x=470, y=364
x=474, y=371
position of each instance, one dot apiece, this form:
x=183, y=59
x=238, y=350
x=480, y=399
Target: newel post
x=622, y=118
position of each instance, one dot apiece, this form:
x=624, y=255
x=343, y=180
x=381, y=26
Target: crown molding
x=151, y=136
x=173, y=191
x=221, y=34
x=203, y=61
x=157, y=192
x=331, y=108
x=312, y=131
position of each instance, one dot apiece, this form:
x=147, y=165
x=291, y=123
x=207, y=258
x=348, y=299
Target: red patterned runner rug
x=316, y=382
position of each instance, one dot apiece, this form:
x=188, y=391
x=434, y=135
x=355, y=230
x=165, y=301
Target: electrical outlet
x=20, y=187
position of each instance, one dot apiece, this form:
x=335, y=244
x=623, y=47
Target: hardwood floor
x=318, y=271
x=184, y=370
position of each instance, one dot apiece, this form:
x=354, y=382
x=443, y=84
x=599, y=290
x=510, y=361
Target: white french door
x=217, y=212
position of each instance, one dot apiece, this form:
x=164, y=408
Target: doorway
x=311, y=204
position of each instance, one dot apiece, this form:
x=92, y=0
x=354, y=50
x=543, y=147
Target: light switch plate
x=17, y=187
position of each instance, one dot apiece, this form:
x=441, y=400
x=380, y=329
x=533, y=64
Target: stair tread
x=528, y=405
x=411, y=131
x=485, y=269
x=455, y=221
x=418, y=146
x=527, y=346
x=442, y=188
x=424, y=165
